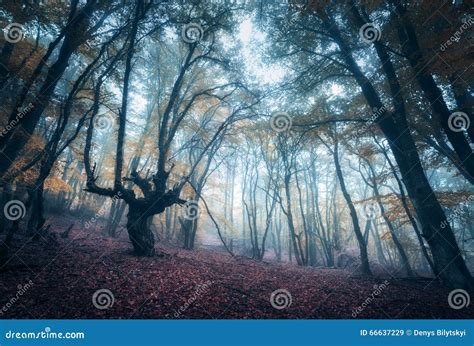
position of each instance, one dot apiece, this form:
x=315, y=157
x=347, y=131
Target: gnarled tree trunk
x=139, y=233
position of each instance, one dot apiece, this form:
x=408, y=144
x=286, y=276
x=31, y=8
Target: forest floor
x=65, y=274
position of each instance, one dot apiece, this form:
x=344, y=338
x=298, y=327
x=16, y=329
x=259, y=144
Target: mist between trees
x=329, y=134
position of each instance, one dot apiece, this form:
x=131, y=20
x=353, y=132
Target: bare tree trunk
x=378, y=246
x=291, y=224
x=403, y=256
x=365, y=267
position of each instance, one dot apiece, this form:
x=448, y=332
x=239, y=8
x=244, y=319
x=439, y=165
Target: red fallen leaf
x=65, y=277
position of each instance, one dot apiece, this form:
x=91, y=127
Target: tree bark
x=446, y=254
x=365, y=267
x=432, y=92
x=31, y=117
x=139, y=233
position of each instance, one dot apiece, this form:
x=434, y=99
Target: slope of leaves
x=204, y=283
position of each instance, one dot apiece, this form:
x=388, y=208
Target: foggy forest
x=236, y=159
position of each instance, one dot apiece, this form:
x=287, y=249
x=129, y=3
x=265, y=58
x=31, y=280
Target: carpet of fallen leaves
x=65, y=274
